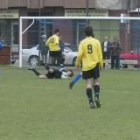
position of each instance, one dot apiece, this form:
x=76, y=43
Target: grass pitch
x=36, y=109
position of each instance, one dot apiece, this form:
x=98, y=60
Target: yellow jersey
x=53, y=43
x=90, y=53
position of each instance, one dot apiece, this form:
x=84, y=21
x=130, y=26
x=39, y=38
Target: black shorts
x=93, y=73
x=50, y=75
x=55, y=53
x=56, y=74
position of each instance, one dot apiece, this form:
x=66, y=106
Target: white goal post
x=22, y=31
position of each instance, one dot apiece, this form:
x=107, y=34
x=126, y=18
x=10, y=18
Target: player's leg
x=58, y=58
x=74, y=80
x=112, y=62
x=97, y=93
x=117, y=62
x=50, y=70
x=41, y=76
x=52, y=58
x=89, y=93
x=87, y=75
x=62, y=59
x=96, y=86
x=34, y=71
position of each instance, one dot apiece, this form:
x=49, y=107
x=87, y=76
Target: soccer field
x=37, y=109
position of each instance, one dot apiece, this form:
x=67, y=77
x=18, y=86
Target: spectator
x=115, y=54
x=43, y=50
x=106, y=48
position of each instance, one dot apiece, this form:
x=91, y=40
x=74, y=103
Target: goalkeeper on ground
x=52, y=73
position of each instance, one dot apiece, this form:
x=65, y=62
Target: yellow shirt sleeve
x=53, y=43
x=57, y=40
x=79, y=56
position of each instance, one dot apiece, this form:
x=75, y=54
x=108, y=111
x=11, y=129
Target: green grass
x=35, y=109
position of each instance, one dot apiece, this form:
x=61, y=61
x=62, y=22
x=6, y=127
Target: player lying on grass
x=61, y=73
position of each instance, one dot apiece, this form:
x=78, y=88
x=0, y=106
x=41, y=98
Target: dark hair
x=56, y=31
x=71, y=73
x=89, y=31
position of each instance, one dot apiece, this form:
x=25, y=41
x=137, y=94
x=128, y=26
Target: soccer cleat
x=92, y=106
x=97, y=101
x=71, y=85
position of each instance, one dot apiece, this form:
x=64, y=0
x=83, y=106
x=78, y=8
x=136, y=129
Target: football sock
x=89, y=94
x=36, y=72
x=76, y=78
x=97, y=91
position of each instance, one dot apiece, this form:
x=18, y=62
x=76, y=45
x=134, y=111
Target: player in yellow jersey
x=90, y=54
x=53, y=44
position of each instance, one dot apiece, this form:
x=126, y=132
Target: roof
x=108, y=4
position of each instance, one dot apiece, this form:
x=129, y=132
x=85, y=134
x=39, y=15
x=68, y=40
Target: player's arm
x=79, y=56
x=47, y=42
x=57, y=40
x=74, y=80
x=64, y=75
x=100, y=56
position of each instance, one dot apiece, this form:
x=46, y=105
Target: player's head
x=44, y=37
x=70, y=73
x=106, y=38
x=89, y=31
x=56, y=31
